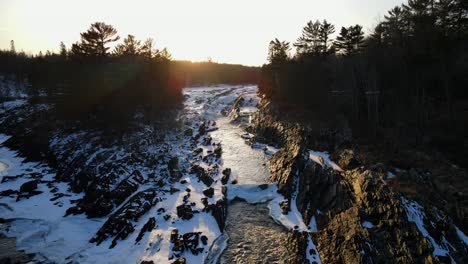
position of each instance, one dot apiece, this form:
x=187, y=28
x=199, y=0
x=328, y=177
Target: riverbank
x=369, y=197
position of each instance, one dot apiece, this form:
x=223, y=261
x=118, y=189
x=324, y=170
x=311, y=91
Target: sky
x=234, y=31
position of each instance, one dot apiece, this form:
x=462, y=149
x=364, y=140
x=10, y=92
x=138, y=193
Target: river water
x=251, y=235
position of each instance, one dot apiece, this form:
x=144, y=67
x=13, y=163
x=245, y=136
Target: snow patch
x=415, y=213
x=367, y=224
x=323, y=158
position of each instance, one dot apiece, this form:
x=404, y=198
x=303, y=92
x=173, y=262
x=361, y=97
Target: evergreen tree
x=310, y=42
x=63, y=50
x=278, y=51
x=95, y=40
x=130, y=47
x=326, y=29
x=147, y=49
x=12, y=47
x=350, y=40
x=163, y=55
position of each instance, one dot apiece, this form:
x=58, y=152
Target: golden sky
x=235, y=31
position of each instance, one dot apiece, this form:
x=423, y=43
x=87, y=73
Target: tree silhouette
x=350, y=40
x=278, y=51
x=163, y=55
x=12, y=47
x=130, y=47
x=326, y=29
x=63, y=50
x=94, y=41
x=310, y=41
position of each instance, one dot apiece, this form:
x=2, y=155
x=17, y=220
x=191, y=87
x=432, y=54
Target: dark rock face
x=119, y=225
x=234, y=114
x=341, y=202
x=226, y=174
x=187, y=241
x=219, y=212
x=209, y=192
x=185, y=211
x=346, y=159
x=148, y=227
x=202, y=175
x=28, y=187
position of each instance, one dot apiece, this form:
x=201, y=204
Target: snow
x=367, y=224
x=323, y=158
x=313, y=224
x=415, y=214
x=462, y=236
x=390, y=175
x=41, y=228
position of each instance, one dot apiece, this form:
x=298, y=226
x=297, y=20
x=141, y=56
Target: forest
x=404, y=83
x=92, y=81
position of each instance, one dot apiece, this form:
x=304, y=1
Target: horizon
x=227, y=32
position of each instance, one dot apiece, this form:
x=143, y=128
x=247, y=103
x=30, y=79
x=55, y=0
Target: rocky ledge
x=371, y=207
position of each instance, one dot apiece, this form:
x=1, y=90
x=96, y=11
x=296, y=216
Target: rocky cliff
x=368, y=210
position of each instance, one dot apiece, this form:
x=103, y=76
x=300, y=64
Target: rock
x=197, y=151
x=173, y=190
x=173, y=167
x=166, y=217
x=284, y=205
x=29, y=186
x=119, y=225
x=180, y=261
x=188, y=132
x=8, y=192
x=234, y=181
x=226, y=174
x=263, y=186
x=219, y=212
x=218, y=151
x=185, y=211
x=202, y=175
x=187, y=241
x=204, y=240
x=202, y=129
x=345, y=159
x=224, y=190
x=148, y=227
x=183, y=181
x=209, y=192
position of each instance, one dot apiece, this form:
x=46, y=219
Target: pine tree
x=278, y=51
x=130, y=47
x=147, y=49
x=95, y=40
x=350, y=40
x=63, y=50
x=326, y=29
x=12, y=47
x=310, y=43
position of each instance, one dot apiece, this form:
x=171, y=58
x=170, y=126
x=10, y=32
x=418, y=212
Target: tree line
x=92, y=80
x=408, y=77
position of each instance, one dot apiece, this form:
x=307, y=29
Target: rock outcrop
x=358, y=212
